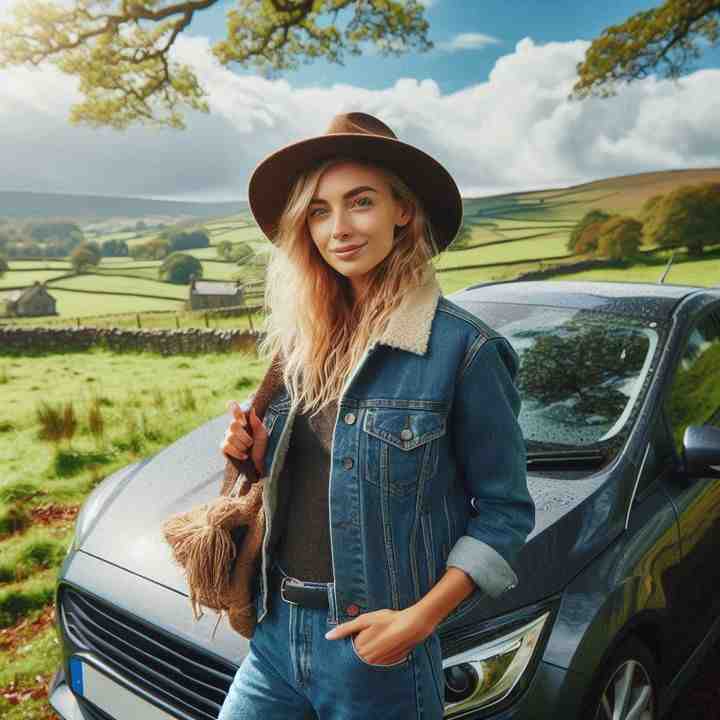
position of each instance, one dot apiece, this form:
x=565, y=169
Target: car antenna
x=667, y=269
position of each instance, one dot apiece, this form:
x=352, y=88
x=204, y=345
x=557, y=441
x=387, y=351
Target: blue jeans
x=293, y=671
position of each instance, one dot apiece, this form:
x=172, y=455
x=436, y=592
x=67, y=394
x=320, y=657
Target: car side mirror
x=701, y=449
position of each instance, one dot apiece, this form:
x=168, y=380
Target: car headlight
x=487, y=674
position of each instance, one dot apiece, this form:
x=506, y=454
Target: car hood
x=576, y=516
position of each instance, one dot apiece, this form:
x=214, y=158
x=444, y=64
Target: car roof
x=640, y=299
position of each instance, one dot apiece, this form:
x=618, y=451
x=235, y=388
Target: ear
x=404, y=214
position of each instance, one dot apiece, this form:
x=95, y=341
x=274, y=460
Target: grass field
x=684, y=271
x=146, y=401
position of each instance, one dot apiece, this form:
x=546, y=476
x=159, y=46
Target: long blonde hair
x=311, y=317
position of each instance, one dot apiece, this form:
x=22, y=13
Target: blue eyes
x=360, y=202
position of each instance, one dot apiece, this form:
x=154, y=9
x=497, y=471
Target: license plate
x=111, y=697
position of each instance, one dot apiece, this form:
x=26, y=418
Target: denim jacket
x=427, y=463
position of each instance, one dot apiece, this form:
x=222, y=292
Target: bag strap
x=240, y=475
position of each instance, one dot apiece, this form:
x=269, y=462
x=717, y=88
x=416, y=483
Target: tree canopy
x=120, y=49
x=619, y=238
x=179, y=267
x=85, y=255
x=689, y=216
x=664, y=40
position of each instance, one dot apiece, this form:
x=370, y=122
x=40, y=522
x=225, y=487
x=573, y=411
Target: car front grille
x=191, y=682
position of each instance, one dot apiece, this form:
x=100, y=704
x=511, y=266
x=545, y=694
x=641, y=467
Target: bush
x=179, y=267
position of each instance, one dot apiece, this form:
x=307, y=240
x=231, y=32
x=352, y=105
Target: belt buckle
x=282, y=591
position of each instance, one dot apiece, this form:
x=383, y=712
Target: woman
x=397, y=493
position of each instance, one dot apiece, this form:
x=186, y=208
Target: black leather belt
x=295, y=592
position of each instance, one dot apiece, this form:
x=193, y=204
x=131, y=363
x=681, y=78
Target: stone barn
x=33, y=301
x=205, y=294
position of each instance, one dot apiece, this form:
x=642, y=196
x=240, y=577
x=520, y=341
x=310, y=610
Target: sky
x=489, y=102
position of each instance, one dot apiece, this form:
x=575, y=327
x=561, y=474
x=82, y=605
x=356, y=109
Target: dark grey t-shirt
x=303, y=549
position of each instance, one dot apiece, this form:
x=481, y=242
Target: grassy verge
x=122, y=407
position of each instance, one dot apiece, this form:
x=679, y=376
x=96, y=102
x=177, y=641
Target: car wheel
x=627, y=688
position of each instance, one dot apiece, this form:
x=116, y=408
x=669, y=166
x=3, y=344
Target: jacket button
x=352, y=609
x=406, y=433
x=349, y=418
x=347, y=463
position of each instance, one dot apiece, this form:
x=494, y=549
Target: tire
x=630, y=664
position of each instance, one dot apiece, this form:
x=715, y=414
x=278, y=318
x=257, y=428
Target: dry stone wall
x=17, y=340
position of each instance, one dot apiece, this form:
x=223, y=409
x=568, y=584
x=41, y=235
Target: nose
x=341, y=228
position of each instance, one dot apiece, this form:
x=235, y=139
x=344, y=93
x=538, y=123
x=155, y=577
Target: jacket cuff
x=490, y=571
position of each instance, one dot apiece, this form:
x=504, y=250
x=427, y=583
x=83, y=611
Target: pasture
x=145, y=402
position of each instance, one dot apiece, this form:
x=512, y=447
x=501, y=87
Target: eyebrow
x=348, y=194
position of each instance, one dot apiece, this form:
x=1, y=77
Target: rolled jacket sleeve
x=491, y=456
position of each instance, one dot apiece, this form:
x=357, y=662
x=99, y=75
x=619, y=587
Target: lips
x=348, y=248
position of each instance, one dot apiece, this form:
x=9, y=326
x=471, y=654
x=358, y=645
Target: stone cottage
x=206, y=294
x=32, y=301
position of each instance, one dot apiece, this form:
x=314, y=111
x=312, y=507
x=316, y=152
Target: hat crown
x=359, y=123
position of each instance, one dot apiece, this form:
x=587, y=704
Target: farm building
x=31, y=302
x=205, y=294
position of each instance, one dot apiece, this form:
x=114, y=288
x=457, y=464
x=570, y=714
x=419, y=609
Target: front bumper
x=549, y=696
x=551, y=693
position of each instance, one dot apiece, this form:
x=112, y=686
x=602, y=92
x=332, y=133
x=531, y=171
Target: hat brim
x=272, y=180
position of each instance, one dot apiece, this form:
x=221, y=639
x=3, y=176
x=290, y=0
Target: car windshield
x=582, y=372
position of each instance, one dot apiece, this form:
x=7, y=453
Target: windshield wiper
x=565, y=459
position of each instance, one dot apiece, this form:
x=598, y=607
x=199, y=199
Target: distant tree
x=178, y=267
x=43, y=231
x=114, y=248
x=4, y=267
x=155, y=249
x=619, y=238
x=83, y=257
x=687, y=216
x=158, y=248
x=187, y=240
x=667, y=38
x=140, y=225
x=581, y=241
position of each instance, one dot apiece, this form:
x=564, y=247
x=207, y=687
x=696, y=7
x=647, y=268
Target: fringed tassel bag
x=218, y=544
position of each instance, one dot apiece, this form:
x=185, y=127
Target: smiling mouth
x=349, y=251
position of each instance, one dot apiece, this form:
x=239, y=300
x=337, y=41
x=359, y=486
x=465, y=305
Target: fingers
x=346, y=628
x=236, y=411
x=256, y=422
x=237, y=431
x=230, y=448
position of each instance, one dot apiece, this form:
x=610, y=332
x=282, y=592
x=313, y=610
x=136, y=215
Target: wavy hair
x=311, y=317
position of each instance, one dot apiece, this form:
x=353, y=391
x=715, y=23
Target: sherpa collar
x=411, y=321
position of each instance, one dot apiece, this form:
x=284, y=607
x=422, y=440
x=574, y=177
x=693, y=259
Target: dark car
x=619, y=587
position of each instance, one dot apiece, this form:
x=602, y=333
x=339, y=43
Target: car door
x=693, y=398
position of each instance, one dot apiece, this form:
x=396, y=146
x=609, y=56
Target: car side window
x=694, y=395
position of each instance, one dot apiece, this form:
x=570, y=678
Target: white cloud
x=467, y=41
x=514, y=131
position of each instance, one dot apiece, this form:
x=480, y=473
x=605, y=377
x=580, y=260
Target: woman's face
x=354, y=206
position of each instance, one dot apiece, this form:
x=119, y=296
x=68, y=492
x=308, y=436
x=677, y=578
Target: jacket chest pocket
x=402, y=446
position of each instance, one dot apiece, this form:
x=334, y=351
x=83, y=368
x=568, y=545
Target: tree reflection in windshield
x=581, y=372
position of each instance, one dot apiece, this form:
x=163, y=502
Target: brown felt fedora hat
x=365, y=137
